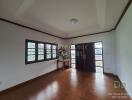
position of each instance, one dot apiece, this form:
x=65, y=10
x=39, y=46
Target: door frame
x=94, y=48
x=102, y=54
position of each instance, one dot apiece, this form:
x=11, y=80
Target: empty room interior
x=65, y=49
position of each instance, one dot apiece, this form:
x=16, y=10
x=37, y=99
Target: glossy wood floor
x=68, y=85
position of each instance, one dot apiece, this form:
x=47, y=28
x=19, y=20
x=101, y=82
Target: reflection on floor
x=69, y=84
x=99, y=70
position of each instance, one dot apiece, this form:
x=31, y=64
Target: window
x=31, y=46
x=73, y=56
x=54, y=51
x=48, y=51
x=41, y=51
x=98, y=54
x=36, y=51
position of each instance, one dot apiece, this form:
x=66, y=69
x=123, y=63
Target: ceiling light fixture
x=73, y=20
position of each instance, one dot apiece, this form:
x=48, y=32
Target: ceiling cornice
x=119, y=20
x=123, y=13
x=91, y=34
x=8, y=21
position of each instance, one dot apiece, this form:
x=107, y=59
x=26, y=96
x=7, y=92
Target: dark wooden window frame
x=100, y=54
x=71, y=55
x=36, y=51
x=52, y=51
x=39, y=54
x=46, y=52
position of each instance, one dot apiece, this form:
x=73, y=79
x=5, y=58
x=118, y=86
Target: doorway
x=85, y=50
x=85, y=57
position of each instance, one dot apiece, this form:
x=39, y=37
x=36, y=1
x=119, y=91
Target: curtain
x=85, y=57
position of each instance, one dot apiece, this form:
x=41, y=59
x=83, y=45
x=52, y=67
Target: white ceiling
x=53, y=16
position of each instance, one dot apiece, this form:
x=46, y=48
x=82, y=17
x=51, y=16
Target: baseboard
x=111, y=74
x=26, y=82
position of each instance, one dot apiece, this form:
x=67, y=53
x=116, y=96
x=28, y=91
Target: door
x=85, y=57
x=79, y=56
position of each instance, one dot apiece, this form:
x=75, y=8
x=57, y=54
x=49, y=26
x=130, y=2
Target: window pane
x=31, y=58
x=41, y=49
x=73, y=61
x=48, y=51
x=98, y=51
x=98, y=45
x=72, y=46
x=73, y=52
x=48, y=46
x=54, y=47
x=31, y=45
x=40, y=57
x=31, y=51
x=40, y=52
x=99, y=63
x=53, y=51
x=98, y=57
x=41, y=45
x=48, y=55
x=54, y=55
x=73, y=56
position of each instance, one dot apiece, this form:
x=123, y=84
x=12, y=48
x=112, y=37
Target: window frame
x=51, y=51
x=54, y=49
x=71, y=55
x=99, y=54
x=46, y=52
x=26, y=52
x=36, y=51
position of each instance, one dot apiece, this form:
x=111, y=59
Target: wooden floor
x=68, y=85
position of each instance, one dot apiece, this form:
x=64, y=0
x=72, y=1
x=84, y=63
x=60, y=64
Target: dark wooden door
x=85, y=57
x=79, y=56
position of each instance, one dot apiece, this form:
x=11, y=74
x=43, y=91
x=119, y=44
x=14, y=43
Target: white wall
x=124, y=50
x=12, y=52
x=12, y=55
x=108, y=48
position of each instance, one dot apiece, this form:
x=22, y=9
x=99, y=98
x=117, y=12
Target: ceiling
x=53, y=16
